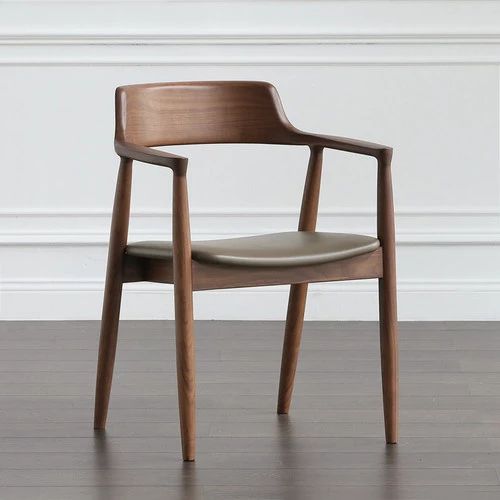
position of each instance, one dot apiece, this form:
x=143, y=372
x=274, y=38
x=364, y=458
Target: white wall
x=422, y=76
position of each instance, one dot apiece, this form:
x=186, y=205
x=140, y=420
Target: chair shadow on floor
x=183, y=481
x=292, y=458
x=102, y=464
x=288, y=450
x=391, y=487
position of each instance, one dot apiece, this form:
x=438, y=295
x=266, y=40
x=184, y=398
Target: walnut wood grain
x=183, y=298
x=163, y=114
x=152, y=156
x=388, y=300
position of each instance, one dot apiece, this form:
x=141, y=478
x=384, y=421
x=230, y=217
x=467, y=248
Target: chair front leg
x=388, y=301
x=389, y=356
x=184, y=334
x=186, y=369
x=112, y=293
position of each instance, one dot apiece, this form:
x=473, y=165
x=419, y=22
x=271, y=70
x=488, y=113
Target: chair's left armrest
x=378, y=151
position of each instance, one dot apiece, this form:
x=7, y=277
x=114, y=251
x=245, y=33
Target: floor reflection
x=190, y=488
x=102, y=464
x=289, y=458
x=179, y=483
x=391, y=473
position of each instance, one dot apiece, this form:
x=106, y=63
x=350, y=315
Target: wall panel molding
x=425, y=18
x=249, y=51
x=459, y=300
x=245, y=33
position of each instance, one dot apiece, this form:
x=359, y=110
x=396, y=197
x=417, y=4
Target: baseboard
x=452, y=300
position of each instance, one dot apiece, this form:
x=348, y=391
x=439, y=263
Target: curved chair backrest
x=163, y=114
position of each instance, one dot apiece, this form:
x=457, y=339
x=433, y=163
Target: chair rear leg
x=291, y=344
x=298, y=292
x=389, y=356
x=107, y=349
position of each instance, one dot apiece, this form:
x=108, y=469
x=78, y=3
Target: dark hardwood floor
x=330, y=446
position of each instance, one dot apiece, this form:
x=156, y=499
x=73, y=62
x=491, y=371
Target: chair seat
x=287, y=249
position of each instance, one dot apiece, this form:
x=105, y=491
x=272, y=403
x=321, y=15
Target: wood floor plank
x=221, y=367
x=242, y=377
x=245, y=389
x=185, y=492
x=403, y=459
x=137, y=415
x=246, y=444
x=248, y=429
x=380, y=492
x=247, y=477
x=262, y=402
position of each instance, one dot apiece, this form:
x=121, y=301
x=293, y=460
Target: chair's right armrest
x=152, y=156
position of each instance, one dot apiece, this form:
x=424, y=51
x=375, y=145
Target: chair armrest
x=153, y=156
x=344, y=144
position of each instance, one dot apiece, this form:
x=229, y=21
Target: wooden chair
x=162, y=114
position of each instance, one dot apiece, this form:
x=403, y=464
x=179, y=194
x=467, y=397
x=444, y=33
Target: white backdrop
x=422, y=76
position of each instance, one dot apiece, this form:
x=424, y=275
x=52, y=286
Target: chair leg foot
x=291, y=345
x=389, y=358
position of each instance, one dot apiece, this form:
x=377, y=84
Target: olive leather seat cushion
x=297, y=248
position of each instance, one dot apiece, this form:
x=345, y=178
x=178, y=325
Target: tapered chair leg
x=184, y=335
x=389, y=358
x=186, y=370
x=112, y=293
x=388, y=300
x=291, y=345
x=107, y=349
x=298, y=293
